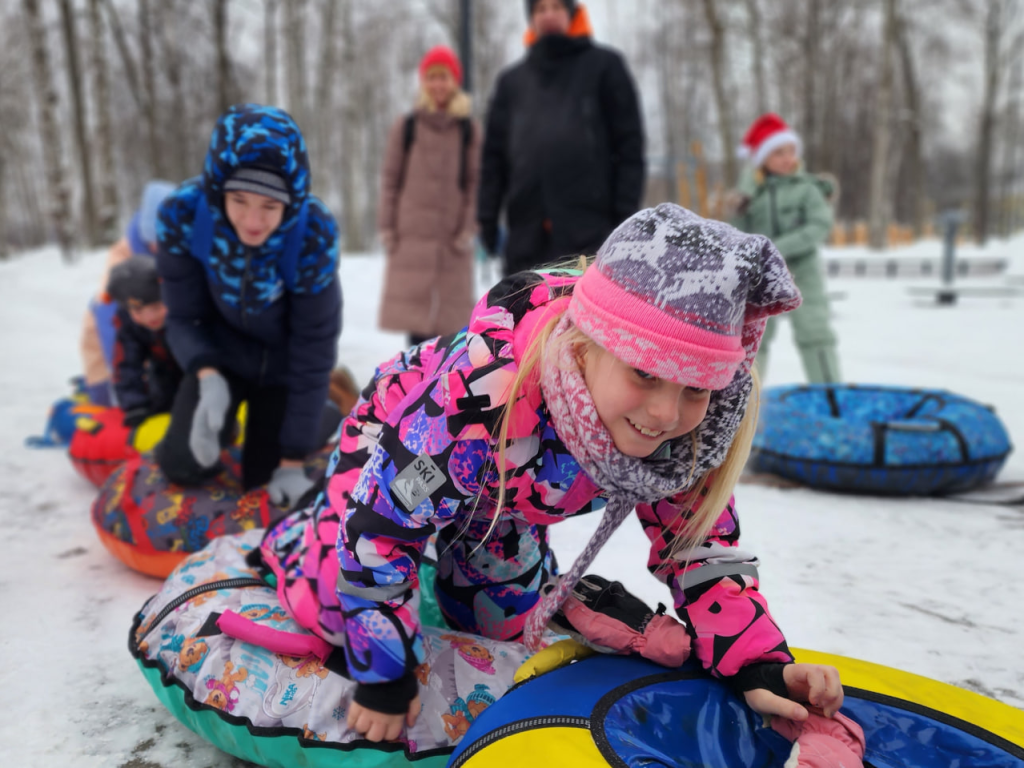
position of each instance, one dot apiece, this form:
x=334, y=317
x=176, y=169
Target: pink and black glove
x=604, y=616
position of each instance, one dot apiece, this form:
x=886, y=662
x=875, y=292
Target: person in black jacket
x=564, y=145
x=146, y=376
x=249, y=263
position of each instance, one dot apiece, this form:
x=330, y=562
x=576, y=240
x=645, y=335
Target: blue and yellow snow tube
x=878, y=439
x=615, y=711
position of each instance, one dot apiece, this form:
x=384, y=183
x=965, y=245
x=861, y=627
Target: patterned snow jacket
x=434, y=413
x=234, y=308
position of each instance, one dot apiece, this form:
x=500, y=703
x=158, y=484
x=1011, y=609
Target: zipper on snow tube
x=546, y=721
x=184, y=597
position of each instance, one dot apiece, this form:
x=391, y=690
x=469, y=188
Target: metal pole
x=951, y=221
x=466, y=44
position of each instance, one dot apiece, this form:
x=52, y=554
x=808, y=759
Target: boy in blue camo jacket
x=249, y=264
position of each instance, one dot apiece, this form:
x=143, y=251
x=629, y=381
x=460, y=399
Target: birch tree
x=53, y=150
x=878, y=219
x=721, y=90
x=352, y=205
x=74, y=69
x=270, y=48
x=106, y=213
x=913, y=153
x=755, y=25
x=1000, y=17
x=225, y=87
x=295, y=47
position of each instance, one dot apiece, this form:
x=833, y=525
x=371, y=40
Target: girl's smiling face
x=640, y=411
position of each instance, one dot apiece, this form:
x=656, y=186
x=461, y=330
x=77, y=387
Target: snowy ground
x=927, y=586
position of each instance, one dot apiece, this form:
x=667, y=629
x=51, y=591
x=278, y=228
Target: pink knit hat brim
x=643, y=336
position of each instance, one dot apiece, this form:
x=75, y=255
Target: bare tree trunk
x=983, y=161
x=718, y=75
x=879, y=201
x=666, y=92
x=5, y=252
x=172, y=47
x=831, y=125
x=68, y=26
x=757, y=43
x=27, y=194
x=156, y=163
x=355, y=240
x=811, y=46
x=325, y=83
x=53, y=151
x=689, y=98
x=914, y=144
x=1010, y=142
x=490, y=31
x=225, y=87
x=107, y=213
x=270, y=48
x=127, y=61
x=294, y=12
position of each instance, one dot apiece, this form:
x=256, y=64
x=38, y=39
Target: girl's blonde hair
x=717, y=484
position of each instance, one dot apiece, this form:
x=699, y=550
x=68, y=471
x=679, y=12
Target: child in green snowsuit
x=778, y=199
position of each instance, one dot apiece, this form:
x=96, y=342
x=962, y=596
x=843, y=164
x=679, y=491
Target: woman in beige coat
x=427, y=218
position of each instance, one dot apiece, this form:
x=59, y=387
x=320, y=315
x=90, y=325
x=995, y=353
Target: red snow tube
x=101, y=442
x=151, y=524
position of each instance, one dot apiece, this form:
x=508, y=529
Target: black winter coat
x=145, y=374
x=563, y=152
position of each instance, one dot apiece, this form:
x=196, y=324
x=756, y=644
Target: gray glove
x=287, y=485
x=208, y=419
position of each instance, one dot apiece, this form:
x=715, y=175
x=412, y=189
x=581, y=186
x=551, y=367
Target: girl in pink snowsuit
x=622, y=386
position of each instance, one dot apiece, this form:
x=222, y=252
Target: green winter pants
x=812, y=328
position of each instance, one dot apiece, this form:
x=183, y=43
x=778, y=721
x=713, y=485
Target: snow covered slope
x=928, y=586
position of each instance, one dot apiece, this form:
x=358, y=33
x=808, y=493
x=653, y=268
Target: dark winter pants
x=262, y=451
x=163, y=379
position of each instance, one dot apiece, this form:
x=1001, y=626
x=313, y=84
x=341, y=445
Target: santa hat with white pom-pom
x=768, y=133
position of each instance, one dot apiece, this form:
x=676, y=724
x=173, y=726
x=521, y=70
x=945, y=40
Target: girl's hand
x=814, y=683
x=376, y=726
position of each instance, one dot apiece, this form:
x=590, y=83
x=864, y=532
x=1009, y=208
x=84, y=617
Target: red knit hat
x=768, y=133
x=442, y=56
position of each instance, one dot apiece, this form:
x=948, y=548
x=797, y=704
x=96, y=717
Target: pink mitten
x=604, y=616
x=821, y=742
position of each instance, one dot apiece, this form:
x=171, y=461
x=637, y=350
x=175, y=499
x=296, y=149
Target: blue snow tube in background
x=878, y=439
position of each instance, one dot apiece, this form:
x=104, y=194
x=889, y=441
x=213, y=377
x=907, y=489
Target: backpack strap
x=288, y=265
x=466, y=124
x=408, y=137
x=202, y=230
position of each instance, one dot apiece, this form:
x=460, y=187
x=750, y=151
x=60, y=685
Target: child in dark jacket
x=254, y=308
x=146, y=377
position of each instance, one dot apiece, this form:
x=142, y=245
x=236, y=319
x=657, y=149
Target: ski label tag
x=416, y=482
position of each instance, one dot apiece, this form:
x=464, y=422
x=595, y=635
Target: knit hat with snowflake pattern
x=683, y=298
